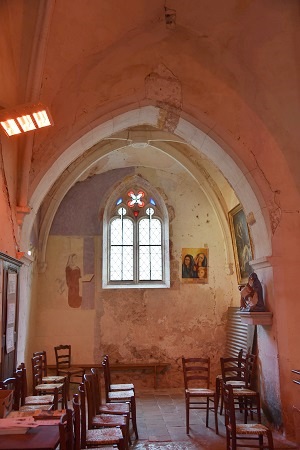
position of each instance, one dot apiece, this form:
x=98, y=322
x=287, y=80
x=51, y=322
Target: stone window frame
x=135, y=182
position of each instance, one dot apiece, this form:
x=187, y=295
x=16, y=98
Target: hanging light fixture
x=25, y=118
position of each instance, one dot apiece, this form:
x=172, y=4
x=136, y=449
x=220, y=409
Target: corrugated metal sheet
x=238, y=335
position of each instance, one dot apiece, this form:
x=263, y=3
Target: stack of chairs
x=120, y=395
x=23, y=402
x=238, y=374
x=75, y=436
x=58, y=389
x=100, y=420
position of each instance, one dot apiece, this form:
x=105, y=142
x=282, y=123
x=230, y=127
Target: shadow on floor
x=161, y=425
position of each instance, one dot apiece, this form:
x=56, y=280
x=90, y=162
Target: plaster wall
x=9, y=231
x=136, y=324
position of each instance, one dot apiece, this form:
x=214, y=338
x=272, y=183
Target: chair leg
x=270, y=440
x=121, y=444
x=207, y=411
x=133, y=415
x=55, y=402
x=68, y=386
x=187, y=415
x=218, y=390
x=233, y=443
x=216, y=402
x=228, y=437
x=221, y=395
x=125, y=432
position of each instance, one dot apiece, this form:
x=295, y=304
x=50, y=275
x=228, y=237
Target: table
x=43, y=437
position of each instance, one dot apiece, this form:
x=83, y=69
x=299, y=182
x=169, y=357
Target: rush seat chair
x=63, y=358
x=100, y=420
x=123, y=396
x=241, y=435
x=40, y=388
x=198, y=394
x=95, y=437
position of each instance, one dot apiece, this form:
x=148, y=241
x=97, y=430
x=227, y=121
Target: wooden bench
x=157, y=368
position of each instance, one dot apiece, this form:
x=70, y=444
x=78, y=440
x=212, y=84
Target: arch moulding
x=192, y=135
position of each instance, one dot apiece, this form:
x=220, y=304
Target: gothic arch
x=186, y=132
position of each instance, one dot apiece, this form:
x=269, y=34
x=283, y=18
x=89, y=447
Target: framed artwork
x=241, y=243
x=194, y=263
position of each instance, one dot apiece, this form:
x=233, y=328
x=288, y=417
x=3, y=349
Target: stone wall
x=135, y=324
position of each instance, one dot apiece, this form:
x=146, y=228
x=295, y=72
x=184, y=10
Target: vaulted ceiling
x=230, y=68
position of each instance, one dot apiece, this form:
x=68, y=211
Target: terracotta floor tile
x=161, y=425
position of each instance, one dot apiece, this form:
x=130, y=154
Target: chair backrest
x=43, y=356
x=77, y=423
x=13, y=384
x=90, y=396
x=63, y=356
x=106, y=381
x=96, y=373
x=83, y=424
x=196, y=372
x=107, y=368
x=250, y=366
x=234, y=369
x=37, y=372
x=66, y=436
x=230, y=409
x=21, y=375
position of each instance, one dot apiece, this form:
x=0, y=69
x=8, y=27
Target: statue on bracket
x=252, y=295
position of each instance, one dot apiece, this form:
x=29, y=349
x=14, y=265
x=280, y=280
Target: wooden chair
x=30, y=402
x=100, y=420
x=101, y=407
x=64, y=366
x=238, y=435
x=219, y=381
x=11, y=383
x=48, y=378
x=118, y=386
x=40, y=388
x=198, y=395
x=107, y=408
x=121, y=397
x=91, y=438
x=66, y=434
x=239, y=374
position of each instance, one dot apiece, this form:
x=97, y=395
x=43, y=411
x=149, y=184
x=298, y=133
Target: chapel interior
x=196, y=103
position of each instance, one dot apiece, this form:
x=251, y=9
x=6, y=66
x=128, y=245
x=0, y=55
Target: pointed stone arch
x=185, y=131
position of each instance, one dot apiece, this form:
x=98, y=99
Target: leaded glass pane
x=150, y=257
x=121, y=232
x=121, y=250
x=150, y=232
x=150, y=263
x=121, y=263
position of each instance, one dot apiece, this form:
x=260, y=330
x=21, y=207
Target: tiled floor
x=161, y=425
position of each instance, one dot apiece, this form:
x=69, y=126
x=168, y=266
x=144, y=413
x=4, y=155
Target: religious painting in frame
x=241, y=243
x=194, y=265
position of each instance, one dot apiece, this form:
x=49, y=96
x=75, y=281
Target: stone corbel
x=256, y=317
x=21, y=212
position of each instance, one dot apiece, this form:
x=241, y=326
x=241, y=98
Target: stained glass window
x=136, y=251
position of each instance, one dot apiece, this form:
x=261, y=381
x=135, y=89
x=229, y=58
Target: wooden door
x=9, y=294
